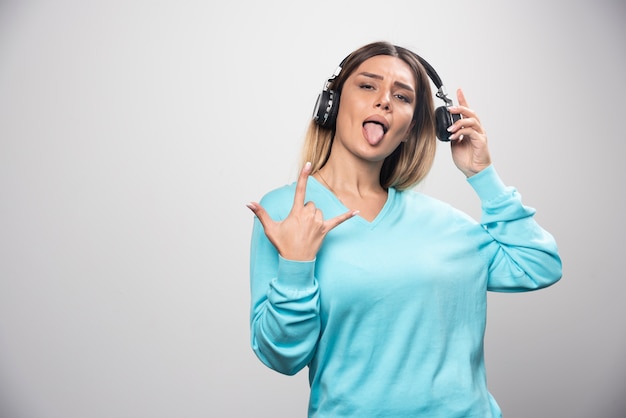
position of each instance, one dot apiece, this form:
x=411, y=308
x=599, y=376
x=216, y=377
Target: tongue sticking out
x=373, y=132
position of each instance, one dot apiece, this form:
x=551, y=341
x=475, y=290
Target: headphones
x=327, y=104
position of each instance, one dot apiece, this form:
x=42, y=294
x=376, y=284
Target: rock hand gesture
x=300, y=235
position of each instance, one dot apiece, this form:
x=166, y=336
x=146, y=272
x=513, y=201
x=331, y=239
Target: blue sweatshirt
x=390, y=316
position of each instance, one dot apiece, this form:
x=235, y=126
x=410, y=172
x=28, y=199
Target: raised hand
x=469, y=140
x=300, y=235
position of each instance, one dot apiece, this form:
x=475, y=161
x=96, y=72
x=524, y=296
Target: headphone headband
x=327, y=104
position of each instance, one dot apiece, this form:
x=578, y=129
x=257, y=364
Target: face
x=376, y=108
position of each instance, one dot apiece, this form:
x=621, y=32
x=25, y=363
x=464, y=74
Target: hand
x=469, y=141
x=299, y=236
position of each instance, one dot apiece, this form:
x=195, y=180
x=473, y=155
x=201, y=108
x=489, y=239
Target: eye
x=366, y=86
x=403, y=98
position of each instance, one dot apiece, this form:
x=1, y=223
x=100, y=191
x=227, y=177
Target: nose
x=383, y=101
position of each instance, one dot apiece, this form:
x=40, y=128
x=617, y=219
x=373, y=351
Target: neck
x=350, y=176
x=356, y=184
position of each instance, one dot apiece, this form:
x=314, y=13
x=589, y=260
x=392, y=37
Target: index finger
x=301, y=185
x=463, y=109
x=461, y=98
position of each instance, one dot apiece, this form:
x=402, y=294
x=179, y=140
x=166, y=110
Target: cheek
x=412, y=118
x=346, y=120
x=405, y=127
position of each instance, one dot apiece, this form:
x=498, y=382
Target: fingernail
x=307, y=165
x=250, y=206
x=450, y=129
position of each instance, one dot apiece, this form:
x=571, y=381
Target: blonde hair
x=408, y=164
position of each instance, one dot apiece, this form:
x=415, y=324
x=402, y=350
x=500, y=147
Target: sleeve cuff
x=296, y=274
x=487, y=184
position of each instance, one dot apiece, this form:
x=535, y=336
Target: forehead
x=388, y=67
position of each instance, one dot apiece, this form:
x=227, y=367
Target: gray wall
x=132, y=133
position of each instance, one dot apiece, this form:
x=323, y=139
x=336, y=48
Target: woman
x=377, y=288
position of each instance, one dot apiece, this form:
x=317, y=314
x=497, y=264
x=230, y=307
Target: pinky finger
x=259, y=212
x=337, y=220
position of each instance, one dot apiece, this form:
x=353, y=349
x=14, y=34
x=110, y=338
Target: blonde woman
x=379, y=289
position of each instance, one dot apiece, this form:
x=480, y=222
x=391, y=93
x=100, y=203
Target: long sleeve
x=390, y=317
x=525, y=256
x=284, y=321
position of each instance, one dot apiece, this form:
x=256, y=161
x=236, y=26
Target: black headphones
x=327, y=104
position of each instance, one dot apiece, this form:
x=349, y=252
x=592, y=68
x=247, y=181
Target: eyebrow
x=380, y=77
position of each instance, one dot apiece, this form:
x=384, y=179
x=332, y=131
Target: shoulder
x=425, y=205
x=424, y=201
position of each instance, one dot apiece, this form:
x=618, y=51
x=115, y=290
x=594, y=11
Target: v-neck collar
x=391, y=194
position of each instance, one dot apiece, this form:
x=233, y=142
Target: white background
x=132, y=133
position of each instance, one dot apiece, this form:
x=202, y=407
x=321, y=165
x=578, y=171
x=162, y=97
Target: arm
x=524, y=256
x=284, y=321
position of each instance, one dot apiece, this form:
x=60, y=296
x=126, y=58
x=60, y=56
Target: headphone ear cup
x=333, y=110
x=443, y=120
x=325, y=112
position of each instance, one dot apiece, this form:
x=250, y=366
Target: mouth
x=378, y=120
x=383, y=126
x=374, y=129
